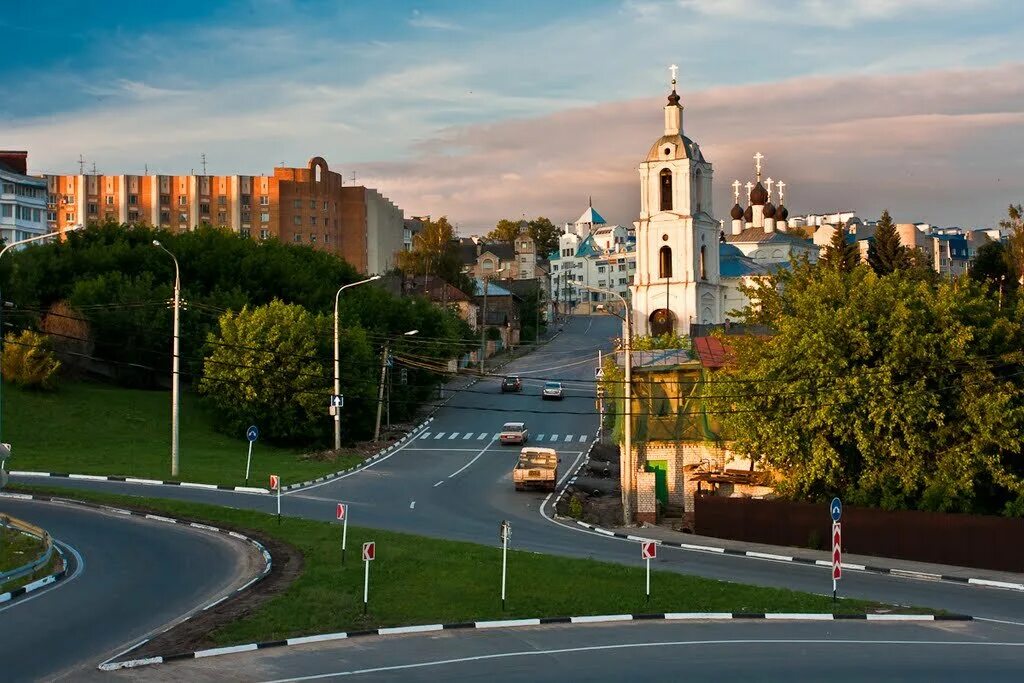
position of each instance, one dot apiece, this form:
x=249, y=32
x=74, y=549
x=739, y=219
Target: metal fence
x=962, y=540
x=33, y=565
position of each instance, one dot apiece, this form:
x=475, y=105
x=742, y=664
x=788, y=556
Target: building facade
x=310, y=206
x=22, y=199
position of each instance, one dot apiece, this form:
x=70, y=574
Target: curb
x=267, y=559
x=137, y=480
x=517, y=623
x=38, y=583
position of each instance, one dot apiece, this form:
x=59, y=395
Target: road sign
x=337, y=400
x=340, y=512
x=389, y=361
x=836, y=509
x=252, y=433
x=505, y=532
x=598, y=373
x=275, y=482
x=648, y=550
x=369, y=551
x=837, y=551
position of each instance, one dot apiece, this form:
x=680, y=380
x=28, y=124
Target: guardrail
x=29, y=530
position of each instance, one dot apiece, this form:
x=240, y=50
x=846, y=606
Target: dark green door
x=660, y=469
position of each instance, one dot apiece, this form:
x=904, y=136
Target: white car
x=552, y=391
x=514, y=432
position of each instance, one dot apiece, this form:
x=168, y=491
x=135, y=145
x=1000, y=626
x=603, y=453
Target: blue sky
x=486, y=109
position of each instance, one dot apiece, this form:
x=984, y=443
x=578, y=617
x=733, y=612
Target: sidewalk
x=917, y=570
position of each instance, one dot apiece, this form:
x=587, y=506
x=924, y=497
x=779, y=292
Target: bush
x=576, y=508
x=28, y=362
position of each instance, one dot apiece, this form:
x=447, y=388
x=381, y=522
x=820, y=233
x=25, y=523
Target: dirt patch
x=194, y=633
x=363, y=449
x=596, y=497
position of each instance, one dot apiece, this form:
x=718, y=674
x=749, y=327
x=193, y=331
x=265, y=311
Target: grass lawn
x=423, y=580
x=98, y=429
x=17, y=549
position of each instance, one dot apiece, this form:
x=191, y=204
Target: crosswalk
x=482, y=436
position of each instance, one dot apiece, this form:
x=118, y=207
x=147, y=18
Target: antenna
x=94, y=168
x=203, y=157
x=81, y=165
x=353, y=177
x=145, y=169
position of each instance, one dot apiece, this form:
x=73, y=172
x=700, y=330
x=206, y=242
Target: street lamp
x=627, y=510
x=337, y=374
x=483, y=318
x=380, y=390
x=3, y=251
x=175, y=377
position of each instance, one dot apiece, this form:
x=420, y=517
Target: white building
x=22, y=199
x=591, y=253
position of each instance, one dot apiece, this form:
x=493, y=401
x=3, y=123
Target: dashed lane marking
x=412, y=505
x=438, y=435
x=540, y=437
x=568, y=438
x=425, y=435
x=583, y=438
x=438, y=483
x=483, y=435
x=554, y=437
x=467, y=436
x=453, y=435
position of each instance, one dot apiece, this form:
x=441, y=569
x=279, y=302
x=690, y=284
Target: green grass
x=17, y=549
x=424, y=580
x=97, y=429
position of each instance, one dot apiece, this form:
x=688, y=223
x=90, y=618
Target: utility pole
x=380, y=390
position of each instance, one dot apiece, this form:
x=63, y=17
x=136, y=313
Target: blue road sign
x=252, y=433
x=836, y=508
x=390, y=362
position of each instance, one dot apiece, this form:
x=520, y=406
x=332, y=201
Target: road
x=667, y=651
x=453, y=481
x=129, y=576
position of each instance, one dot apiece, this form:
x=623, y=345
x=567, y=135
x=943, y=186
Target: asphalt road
x=130, y=576
x=460, y=488
x=667, y=651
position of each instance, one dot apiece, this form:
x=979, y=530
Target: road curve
x=136, y=576
x=787, y=651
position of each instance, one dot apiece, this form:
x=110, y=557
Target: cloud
x=939, y=146
x=825, y=13
x=421, y=20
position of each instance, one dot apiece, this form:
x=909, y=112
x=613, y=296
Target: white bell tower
x=677, y=270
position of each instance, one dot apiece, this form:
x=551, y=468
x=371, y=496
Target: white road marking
x=79, y=570
x=412, y=505
x=648, y=644
x=583, y=438
x=475, y=457
x=568, y=438
x=496, y=436
x=438, y=483
x=425, y=435
x=438, y=435
x=483, y=435
x=540, y=437
x=554, y=437
x=453, y=435
x=467, y=435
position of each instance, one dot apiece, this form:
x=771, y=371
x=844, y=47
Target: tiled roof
x=713, y=354
x=759, y=236
x=503, y=250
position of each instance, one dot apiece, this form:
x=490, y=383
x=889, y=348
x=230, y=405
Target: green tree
x=1013, y=224
x=886, y=254
x=542, y=230
x=434, y=252
x=840, y=255
x=28, y=360
x=992, y=265
x=889, y=390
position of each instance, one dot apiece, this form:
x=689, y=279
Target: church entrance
x=662, y=321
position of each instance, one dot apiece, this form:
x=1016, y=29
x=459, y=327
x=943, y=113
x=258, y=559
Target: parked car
x=514, y=432
x=512, y=383
x=552, y=391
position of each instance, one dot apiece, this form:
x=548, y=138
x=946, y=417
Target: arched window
x=666, y=190
x=703, y=263
x=698, y=191
x=665, y=262
x=319, y=171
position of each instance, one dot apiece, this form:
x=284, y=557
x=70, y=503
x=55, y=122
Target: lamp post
x=627, y=488
x=8, y=247
x=175, y=395
x=380, y=390
x=483, y=318
x=337, y=373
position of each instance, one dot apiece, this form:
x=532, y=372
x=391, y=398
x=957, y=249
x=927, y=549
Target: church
x=689, y=270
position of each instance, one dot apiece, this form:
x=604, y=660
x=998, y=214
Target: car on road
x=514, y=432
x=537, y=468
x=552, y=391
x=512, y=383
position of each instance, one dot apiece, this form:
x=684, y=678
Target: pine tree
x=840, y=255
x=886, y=254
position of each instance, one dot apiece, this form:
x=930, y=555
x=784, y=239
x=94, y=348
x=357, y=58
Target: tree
x=840, y=255
x=1014, y=225
x=885, y=253
x=890, y=390
x=992, y=265
x=434, y=252
x=543, y=231
x=69, y=335
x=28, y=360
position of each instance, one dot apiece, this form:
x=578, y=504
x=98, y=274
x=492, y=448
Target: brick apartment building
x=309, y=206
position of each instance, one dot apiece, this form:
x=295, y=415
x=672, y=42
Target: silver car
x=552, y=391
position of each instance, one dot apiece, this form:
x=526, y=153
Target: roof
x=492, y=289
x=712, y=352
x=679, y=146
x=591, y=216
x=503, y=250
x=437, y=289
x=467, y=251
x=587, y=247
x=733, y=263
x=759, y=236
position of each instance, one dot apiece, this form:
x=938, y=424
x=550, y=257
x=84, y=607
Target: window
x=222, y=201
x=133, y=216
x=622, y=281
x=296, y=237
x=8, y=188
x=666, y=190
x=630, y=279
x=182, y=200
x=183, y=217
x=265, y=217
x=6, y=210
x=264, y=200
x=602, y=283
x=67, y=216
x=665, y=262
x=312, y=238
x=326, y=206
x=165, y=217
x=165, y=199
x=554, y=267
x=93, y=209
x=133, y=199
x=703, y=265
x=622, y=266
x=109, y=200
x=246, y=200
x=222, y=217
x=51, y=216
x=245, y=232
x=204, y=209
x=488, y=264
x=297, y=220
x=600, y=269
x=297, y=203
x=264, y=234
x=312, y=220
x=246, y=217
x=110, y=216
x=698, y=189
x=327, y=238
x=69, y=199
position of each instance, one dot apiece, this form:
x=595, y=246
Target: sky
x=488, y=110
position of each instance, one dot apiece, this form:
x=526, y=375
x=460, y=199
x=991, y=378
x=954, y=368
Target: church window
x=703, y=263
x=666, y=190
x=665, y=262
x=668, y=150
x=698, y=186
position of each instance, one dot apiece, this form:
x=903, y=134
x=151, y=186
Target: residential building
x=516, y=260
x=410, y=228
x=310, y=205
x=498, y=309
x=23, y=199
